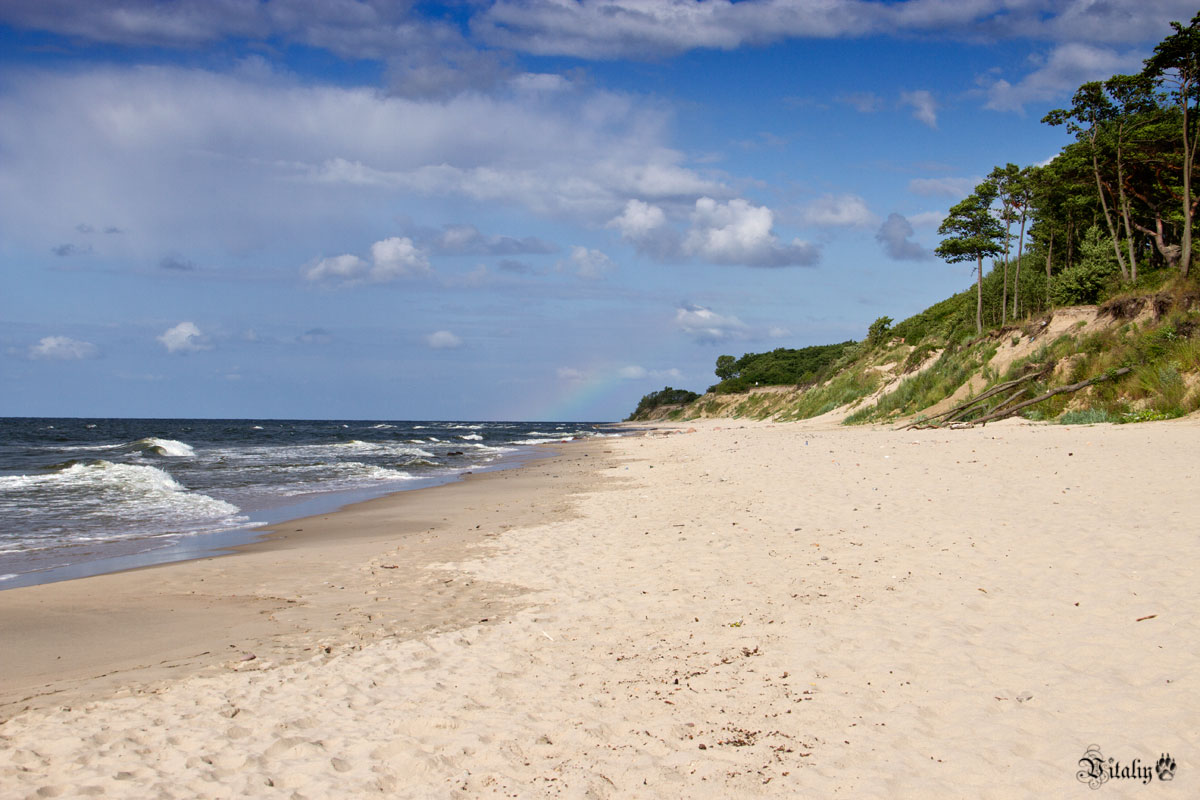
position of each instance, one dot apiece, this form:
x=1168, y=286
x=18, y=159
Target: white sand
x=748, y=610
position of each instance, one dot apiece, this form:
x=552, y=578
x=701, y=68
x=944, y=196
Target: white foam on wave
x=474, y=437
x=164, y=447
x=131, y=493
x=390, y=448
x=383, y=426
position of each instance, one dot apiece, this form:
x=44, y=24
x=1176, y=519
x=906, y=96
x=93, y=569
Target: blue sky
x=525, y=209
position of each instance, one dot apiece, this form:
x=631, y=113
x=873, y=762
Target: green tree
x=726, y=367
x=1022, y=196
x=972, y=232
x=1176, y=65
x=1006, y=179
x=879, y=329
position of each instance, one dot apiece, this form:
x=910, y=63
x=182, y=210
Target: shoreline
x=81, y=638
x=753, y=609
x=189, y=547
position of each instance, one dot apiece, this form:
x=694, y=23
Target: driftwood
x=962, y=409
x=1074, y=387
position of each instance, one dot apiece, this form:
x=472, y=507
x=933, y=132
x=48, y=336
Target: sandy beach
x=743, y=610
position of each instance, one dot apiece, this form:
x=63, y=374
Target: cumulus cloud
x=1062, y=72
x=63, y=348
x=707, y=326
x=895, y=237
x=184, y=338
x=844, y=210
x=443, y=340
x=587, y=263
x=943, y=187
x=396, y=257
x=645, y=226
x=738, y=232
x=924, y=107
x=732, y=232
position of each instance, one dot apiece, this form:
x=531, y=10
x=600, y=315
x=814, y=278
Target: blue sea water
x=81, y=496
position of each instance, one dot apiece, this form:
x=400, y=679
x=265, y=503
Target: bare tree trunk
x=979, y=297
x=1189, y=153
x=1017, y=277
x=1049, y=256
x=1123, y=201
x=1004, y=292
x=1112, y=229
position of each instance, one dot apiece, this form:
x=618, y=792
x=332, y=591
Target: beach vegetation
x=663, y=397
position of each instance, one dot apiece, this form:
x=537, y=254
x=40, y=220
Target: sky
x=493, y=210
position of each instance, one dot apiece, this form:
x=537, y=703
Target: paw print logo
x=1165, y=768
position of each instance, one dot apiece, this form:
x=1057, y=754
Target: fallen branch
x=1074, y=387
x=958, y=411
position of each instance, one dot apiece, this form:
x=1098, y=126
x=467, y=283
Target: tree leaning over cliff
x=972, y=232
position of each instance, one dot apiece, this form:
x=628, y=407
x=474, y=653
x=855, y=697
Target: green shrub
x=663, y=397
x=1089, y=416
x=1086, y=279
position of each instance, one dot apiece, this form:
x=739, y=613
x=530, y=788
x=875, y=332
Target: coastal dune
x=735, y=610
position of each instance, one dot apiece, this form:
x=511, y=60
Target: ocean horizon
x=85, y=496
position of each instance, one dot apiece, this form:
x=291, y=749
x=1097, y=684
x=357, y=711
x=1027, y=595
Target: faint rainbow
x=575, y=400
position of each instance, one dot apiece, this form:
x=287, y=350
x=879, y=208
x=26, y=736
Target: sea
x=82, y=497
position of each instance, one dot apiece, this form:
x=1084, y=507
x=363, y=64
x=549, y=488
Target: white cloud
x=638, y=220
x=778, y=332
x=943, y=187
x=396, y=257
x=1066, y=68
x=645, y=226
x=346, y=267
x=707, y=326
x=443, y=340
x=738, y=232
x=184, y=338
x=847, y=210
x=895, y=237
x=63, y=348
x=632, y=372
x=924, y=107
x=591, y=264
